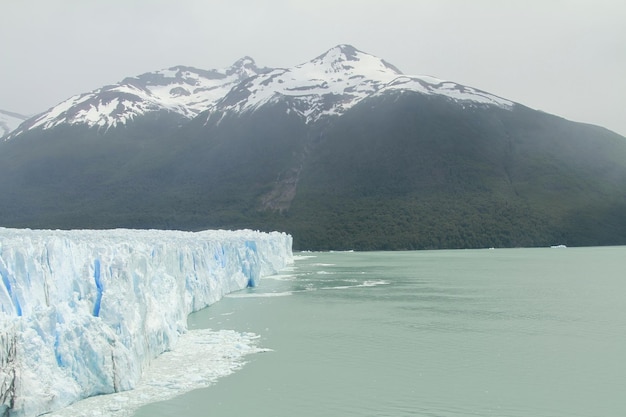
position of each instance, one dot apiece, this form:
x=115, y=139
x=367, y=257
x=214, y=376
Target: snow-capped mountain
x=337, y=80
x=181, y=90
x=9, y=121
x=328, y=85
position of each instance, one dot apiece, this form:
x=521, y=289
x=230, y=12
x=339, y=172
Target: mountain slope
x=414, y=172
x=343, y=151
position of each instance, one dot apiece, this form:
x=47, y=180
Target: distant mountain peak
x=245, y=67
x=338, y=79
x=345, y=57
x=341, y=52
x=325, y=86
x=244, y=62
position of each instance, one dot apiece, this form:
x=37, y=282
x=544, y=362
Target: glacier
x=86, y=312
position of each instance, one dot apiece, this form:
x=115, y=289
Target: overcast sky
x=566, y=57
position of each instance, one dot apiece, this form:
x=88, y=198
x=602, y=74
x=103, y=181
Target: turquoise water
x=505, y=332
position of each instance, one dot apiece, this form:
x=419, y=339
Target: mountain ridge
x=181, y=90
x=327, y=85
x=9, y=121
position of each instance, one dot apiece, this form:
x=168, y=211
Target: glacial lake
x=504, y=332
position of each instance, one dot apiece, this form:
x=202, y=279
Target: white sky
x=566, y=57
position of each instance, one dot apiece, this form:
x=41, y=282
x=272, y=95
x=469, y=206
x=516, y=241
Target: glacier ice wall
x=83, y=312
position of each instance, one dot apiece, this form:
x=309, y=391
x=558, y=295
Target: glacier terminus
x=86, y=312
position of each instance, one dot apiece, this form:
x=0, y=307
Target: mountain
x=334, y=82
x=325, y=86
x=343, y=152
x=9, y=121
x=182, y=91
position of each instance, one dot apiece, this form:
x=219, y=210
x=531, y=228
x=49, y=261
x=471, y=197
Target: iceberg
x=85, y=312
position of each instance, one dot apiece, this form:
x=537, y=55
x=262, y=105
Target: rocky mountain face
x=343, y=151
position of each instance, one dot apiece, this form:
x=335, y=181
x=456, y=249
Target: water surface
x=511, y=332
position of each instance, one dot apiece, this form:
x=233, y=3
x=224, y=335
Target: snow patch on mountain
x=326, y=86
x=433, y=86
x=185, y=91
x=336, y=81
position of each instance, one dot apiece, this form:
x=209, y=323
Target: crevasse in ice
x=83, y=313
